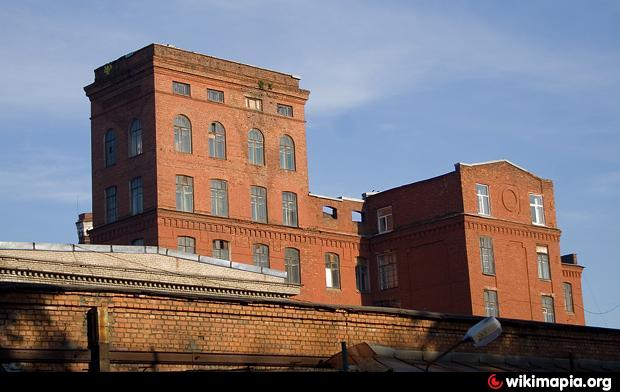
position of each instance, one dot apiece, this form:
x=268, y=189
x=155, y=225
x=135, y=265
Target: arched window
x=186, y=244
x=135, y=138
x=110, y=148
x=287, y=153
x=217, y=141
x=292, y=265
x=182, y=134
x=261, y=255
x=256, y=149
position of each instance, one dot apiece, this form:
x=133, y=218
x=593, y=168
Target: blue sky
x=400, y=91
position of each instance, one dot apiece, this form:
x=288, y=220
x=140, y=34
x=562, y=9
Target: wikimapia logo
x=557, y=383
x=494, y=383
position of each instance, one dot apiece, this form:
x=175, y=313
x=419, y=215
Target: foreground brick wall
x=35, y=321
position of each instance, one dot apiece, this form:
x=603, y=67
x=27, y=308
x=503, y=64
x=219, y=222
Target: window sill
x=384, y=232
x=489, y=274
x=334, y=289
x=539, y=224
x=485, y=215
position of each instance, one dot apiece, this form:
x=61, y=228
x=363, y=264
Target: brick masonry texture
x=34, y=320
x=437, y=228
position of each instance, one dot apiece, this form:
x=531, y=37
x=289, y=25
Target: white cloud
x=347, y=63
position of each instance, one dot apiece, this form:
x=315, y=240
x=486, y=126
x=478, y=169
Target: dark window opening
x=330, y=212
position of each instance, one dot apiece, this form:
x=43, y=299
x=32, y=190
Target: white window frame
x=537, y=209
x=332, y=270
x=483, y=200
x=254, y=103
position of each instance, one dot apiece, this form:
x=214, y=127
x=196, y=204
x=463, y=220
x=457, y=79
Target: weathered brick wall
x=149, y=324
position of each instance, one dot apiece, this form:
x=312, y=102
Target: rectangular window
x=221, y=250
x=484, y=205
x=181, y=88
x=568, y=298
x=138, y=242
x=542, y=255
x=219, y=198
x=537, y=209
x=136, y=195
x=332, y=270
x=384, y=219
x=547, y=308
x=186, y=244
x=110, y=148
x=486, y=256
x=362, y=275
x=289, y=209
x=285, y=110
x=185, y=194
x=215, y=96
x=258, y=198
x=388, y=274
x=110, y=205
x=254, y=103
x=491, y=307
x=292, y=265
x=135, y=138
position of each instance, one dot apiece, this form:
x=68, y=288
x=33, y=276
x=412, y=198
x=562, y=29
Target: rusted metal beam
x=35, y=355
x=213, y=359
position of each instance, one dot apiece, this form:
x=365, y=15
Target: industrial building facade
x=208, y=156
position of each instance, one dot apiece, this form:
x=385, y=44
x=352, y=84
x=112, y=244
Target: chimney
x=84, y=224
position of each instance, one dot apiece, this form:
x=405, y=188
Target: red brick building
x=208, y=156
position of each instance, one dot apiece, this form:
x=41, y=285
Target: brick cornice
x=518, y=229
x=238, y=227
